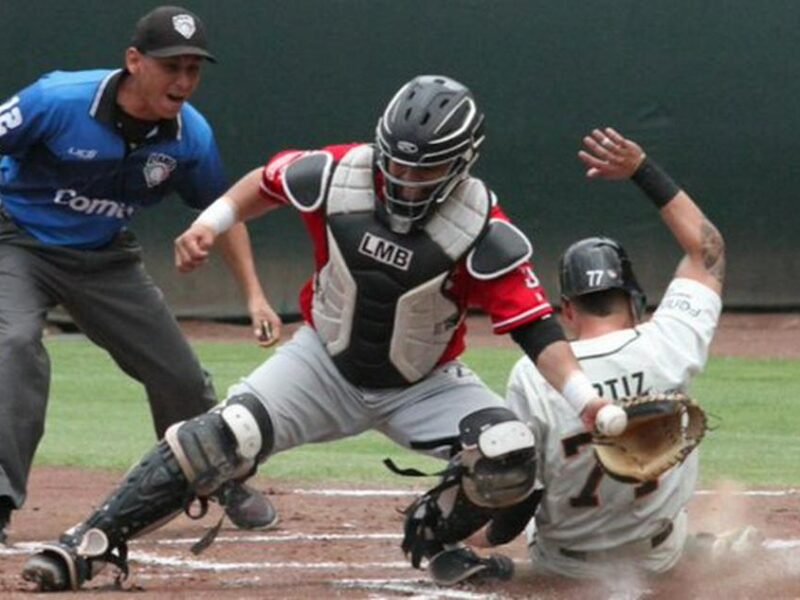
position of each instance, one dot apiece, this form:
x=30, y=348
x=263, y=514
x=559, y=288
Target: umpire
x=82, y=152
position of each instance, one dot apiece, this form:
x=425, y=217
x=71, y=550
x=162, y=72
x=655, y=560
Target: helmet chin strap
x=638, y=304
x=634, y=313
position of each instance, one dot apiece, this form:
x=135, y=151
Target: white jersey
x=582, y=508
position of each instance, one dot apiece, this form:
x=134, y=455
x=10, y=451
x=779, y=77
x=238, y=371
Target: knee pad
x=496, y=468
x=222, y=444
x=497, y=457
x=256, y=409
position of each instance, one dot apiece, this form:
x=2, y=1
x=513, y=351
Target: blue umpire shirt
x=67, y=176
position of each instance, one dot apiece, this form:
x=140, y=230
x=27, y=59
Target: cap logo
x=184, y=24
x=407, y=147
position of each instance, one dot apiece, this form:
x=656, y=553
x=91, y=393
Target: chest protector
x=380, y=303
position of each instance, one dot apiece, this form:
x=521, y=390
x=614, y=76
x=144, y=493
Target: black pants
x=115, y=302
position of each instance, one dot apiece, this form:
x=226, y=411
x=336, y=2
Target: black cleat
x=247, y=508
x=457, y=565
x=52, y=571
x=5, y=518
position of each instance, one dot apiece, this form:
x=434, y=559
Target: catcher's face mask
x=426, y=141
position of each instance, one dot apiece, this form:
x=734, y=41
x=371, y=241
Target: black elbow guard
x=535, y=337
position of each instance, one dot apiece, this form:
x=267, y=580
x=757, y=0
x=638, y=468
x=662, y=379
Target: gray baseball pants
x=309, y=400
x=117, y=305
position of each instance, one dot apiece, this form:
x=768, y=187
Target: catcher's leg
x=495, y=469
x=195, y=458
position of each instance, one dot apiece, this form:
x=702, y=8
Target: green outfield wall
x=709, y=88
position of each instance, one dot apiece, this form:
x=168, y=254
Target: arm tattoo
x=713, y=250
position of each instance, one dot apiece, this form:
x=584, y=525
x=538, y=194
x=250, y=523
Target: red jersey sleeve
x=513, y=299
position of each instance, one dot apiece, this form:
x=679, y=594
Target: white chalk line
x=771, y=544
x=789, y=492
x=312, y=537
x=421, y=590
x=776, y=544
x=403, y=493
x=781, y=544
x=357, y=493
x=29, y=547
x=147, y=558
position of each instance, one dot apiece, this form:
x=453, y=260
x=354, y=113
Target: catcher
x=588, y=523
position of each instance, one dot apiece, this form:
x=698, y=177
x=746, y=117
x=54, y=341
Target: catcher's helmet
x=432, y=121
x=597, y=264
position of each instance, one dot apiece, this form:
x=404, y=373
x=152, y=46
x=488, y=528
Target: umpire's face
x=162, y=85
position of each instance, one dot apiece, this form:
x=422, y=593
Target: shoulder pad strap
x=501, y=249
x=306, y=180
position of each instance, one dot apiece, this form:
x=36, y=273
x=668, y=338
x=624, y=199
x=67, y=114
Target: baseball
x=611, y=420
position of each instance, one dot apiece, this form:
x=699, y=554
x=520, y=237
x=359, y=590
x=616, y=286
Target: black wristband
x=655, y=182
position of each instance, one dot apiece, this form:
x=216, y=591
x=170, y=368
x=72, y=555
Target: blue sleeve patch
x=501, y=249
x=306, y=180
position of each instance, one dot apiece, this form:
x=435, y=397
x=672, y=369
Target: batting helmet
x=431, y=121
x=597, y=264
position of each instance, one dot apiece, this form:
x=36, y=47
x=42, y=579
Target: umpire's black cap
x=171, y=31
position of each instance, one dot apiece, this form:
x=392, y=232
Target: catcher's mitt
x=662, y=431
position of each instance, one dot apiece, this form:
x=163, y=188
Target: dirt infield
x=345, y=543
